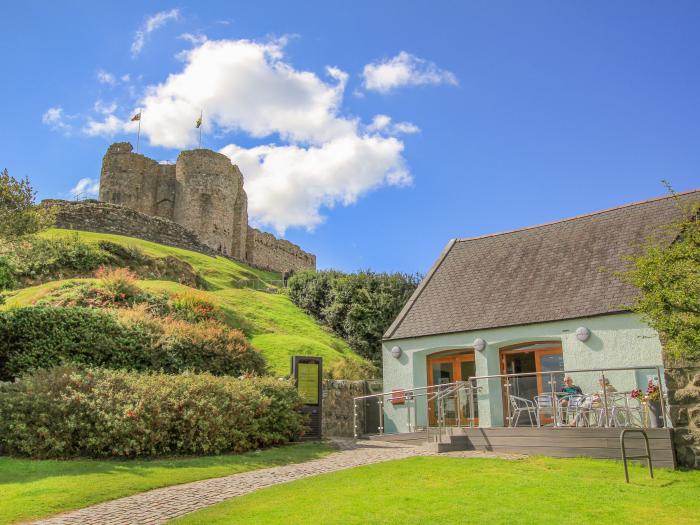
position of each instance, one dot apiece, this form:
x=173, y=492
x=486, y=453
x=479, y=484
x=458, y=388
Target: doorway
x=445, y=368
x=535, y=358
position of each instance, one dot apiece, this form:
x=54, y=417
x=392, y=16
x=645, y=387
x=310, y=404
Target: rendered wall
x=616, y=340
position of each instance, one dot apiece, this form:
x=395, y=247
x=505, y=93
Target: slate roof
x=559, y=270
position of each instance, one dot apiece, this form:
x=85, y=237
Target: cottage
x=513, y=313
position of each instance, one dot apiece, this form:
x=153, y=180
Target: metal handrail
x=441, y=392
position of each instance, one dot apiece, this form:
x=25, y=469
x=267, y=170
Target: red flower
x=130, y=413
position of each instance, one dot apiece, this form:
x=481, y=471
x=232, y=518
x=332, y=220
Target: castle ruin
x=203, y=191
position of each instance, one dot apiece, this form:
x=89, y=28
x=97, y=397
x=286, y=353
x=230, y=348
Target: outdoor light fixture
x=479, y=344
x=583, y=333
x=396, y=352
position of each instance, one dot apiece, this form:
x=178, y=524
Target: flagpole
x=138, y=136
x=200, y=129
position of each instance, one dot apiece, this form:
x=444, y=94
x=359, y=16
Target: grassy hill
x=272, y=323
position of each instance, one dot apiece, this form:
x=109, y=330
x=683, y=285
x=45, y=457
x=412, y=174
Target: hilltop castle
x=203, y=191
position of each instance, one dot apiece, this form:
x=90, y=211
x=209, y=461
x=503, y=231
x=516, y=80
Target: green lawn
x=272, y=323
x=433, y=490
x=35, y=488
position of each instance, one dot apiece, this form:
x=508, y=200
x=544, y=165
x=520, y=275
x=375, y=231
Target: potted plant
x=651, y=399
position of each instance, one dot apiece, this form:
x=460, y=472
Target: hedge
x=42, y=337
x=67, y=412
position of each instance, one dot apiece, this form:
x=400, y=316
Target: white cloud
x=126, y=77
x=103, y=77
x=110, y=126
x=151, y=24
x=55, y=118
x=86, y=188
x=104, y=108
x=288, y=185
x=193, y=38
x=324, y=158
x=384, y=124
x=404, y=69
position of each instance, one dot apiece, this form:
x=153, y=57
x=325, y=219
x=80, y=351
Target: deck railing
x=436, y=397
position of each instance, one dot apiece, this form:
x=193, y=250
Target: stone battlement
x=203, y=192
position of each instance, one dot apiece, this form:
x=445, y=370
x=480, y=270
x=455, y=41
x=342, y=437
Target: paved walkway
x=161, y=505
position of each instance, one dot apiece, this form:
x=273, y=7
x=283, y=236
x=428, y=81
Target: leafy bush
x=125, y=254
x=43, y=337
x=358, y=307
x=207, y=346
x=119, y=283
x=19, y=215
x=39, y=259
x=193, y=307
x=66, y=412
x=668, y=278
x=88, y=295
x=352, y=369
x=7, y=274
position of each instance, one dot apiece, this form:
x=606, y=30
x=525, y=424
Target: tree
x=19, y=215
x=668, y=278
x=358, y=307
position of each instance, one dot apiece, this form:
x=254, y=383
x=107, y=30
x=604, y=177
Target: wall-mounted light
x=583, y=333
x=479, y=344
x=396, y=352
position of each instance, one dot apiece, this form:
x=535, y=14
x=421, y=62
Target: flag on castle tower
x=136, y=117
x=199, y=121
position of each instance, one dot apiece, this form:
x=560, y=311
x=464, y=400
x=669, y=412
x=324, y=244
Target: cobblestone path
x=161, y=505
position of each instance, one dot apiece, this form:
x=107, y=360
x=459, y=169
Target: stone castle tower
x=203, y=191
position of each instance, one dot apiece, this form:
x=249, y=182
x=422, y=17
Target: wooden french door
x=449, y=367
x=533, y=357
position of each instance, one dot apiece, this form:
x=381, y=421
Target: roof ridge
x=575, y=217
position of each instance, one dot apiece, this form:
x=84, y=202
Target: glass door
x=532, y=358
x=447, y=368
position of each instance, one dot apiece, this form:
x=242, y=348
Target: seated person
x=606, y=389
x=570, y=389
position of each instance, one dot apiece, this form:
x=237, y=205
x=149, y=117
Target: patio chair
x=580, y=407
x=547, y=408
x=569, y=408
x=520, y=405
x=625, y=412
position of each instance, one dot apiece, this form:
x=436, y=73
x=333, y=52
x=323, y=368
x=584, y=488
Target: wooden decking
x=602, y=443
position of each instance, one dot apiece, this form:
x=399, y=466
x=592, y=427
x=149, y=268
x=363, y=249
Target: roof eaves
x=411, y=301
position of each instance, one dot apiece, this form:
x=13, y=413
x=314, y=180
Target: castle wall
x=203, y=193
x=266, y=251
x=207, y=186
x=103, y=217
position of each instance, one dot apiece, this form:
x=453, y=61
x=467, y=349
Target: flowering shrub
x=42, y=337
x=120, y=283
x=193, y=307
x=38, y=259
x=67, y=412
x=652, y=392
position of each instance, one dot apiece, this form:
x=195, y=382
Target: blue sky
x=502, y=114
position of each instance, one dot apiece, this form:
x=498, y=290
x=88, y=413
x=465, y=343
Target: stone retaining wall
x=683, y=385
x=102, y=217
x=338, y=405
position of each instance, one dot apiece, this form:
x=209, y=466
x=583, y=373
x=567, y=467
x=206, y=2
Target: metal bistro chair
x=520, y=405
x=571, y=410
x=546, y=407
x=625, y=412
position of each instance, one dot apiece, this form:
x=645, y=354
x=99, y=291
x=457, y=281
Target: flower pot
x=655, y=419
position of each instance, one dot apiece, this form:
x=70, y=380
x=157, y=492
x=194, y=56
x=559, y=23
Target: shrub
x=119, y=283
x=358, y=307
x=39, y=259
x=7, y=274
x=208, y=346
x=353, y=369
x=66, y=412
x=41, y=337
x=193, y=307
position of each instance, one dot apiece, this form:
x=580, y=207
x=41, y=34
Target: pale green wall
x=616, y=340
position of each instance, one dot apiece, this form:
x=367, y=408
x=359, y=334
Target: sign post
x=308, y=372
